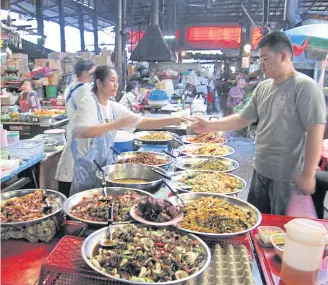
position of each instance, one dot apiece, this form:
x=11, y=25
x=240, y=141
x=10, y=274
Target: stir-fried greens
x=96, y=208
x=146, y=255
x=215, y=215
x=213, y=182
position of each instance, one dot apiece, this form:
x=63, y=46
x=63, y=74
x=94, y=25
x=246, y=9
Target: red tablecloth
x=21, y=260
x=269, y=261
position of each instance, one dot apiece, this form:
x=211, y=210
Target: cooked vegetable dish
x=214, y=182
x=216, y=165
x=158, y=210
x=141, y=254
x=206, y=138
x=144, y=158
x=24, y=208
x=96, y=208
x=130, y=181
x=209, y=149
x=156, y=136
x=215, y=215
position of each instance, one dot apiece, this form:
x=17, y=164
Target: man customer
x=291, y=110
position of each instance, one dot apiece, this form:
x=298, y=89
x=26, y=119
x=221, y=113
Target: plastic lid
x=123, y=136
x=54, y=131
x=158, y=95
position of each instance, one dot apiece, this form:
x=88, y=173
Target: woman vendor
x=29, y=99
x=97, y=120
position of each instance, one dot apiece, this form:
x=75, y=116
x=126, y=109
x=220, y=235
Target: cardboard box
x=18, y=64
x=166, y=84
x=103, y=60
x=55, y=64
x=58, y=55
x=131, y=70
x=19, y=56
x=41, y=62
x=86, y=54
x=4, y=100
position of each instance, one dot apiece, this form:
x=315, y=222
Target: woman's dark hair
x=27, y=80
x=83, y=65
x=131, y=86
x=101, y=73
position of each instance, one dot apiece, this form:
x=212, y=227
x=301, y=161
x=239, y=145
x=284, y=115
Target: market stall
x=202, y=233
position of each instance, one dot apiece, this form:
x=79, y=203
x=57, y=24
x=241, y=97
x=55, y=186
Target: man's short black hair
x=26, y=80
x=83, y=65
x=276, y=41
x=131, y=86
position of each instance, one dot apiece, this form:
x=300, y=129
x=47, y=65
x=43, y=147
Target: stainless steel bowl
x=133, y=171
x=138, y=136
x=186, y=138
x=192, y=147
x=113, y=191
x=176, y=177
x=186, y=163
x=131, y=154
x=190, y=197
x=93, y=240
x=57, y=204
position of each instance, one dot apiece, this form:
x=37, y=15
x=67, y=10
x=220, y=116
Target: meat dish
x=215, y=215
x=143, y=254
x=96, y=208
x=158, y=210
x=206, y=138
x=24, y=208
x=144, y=158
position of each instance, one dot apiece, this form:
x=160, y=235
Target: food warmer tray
x=44, y=228
x=190, y=147
x=138, y=135
x=131, y=154
x=190, y=197
x=65, y=264
x=114, y=191
x=186, y=163
x=178, y=175
x=269, y=261
x=91, y=241
x=185, y=139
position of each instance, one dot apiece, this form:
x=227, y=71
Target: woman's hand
x=177, y=121
x=201, y=125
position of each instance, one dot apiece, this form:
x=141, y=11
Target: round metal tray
x=190, y=147
x=57, y=204
x=132, y=154
x=186, y=163
x=91, y=241
x=138, y=135
x=113, y=191
x=178, y=175
x=190, y=197
x=133, y=171
x=186, y=138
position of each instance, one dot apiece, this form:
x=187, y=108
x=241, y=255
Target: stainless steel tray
x=138, y=135
x=91, y=241
x=186, y=138
x=131, y=154
x=190, y=147
x=187, y=188
x=186, y=163
x=190, y=197
x=113, y=191
x=57, y=198
x=133, y=171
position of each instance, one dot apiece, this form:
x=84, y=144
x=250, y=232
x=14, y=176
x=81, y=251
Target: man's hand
x=201, y=125
x=306, y=184
x=177, y=121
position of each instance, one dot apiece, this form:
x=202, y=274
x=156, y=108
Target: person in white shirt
x=130, y=98
x=153, y=79
x=73, y=94
x=97, y=120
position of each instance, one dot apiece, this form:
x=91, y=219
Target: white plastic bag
x=301, y=206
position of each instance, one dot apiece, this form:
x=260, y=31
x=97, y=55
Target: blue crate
x=25, y=149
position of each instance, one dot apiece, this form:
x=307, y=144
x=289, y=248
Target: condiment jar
x=303, y=251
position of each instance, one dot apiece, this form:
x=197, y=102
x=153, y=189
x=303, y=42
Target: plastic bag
x=301, y=206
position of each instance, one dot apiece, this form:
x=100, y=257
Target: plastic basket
x=25, y=149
